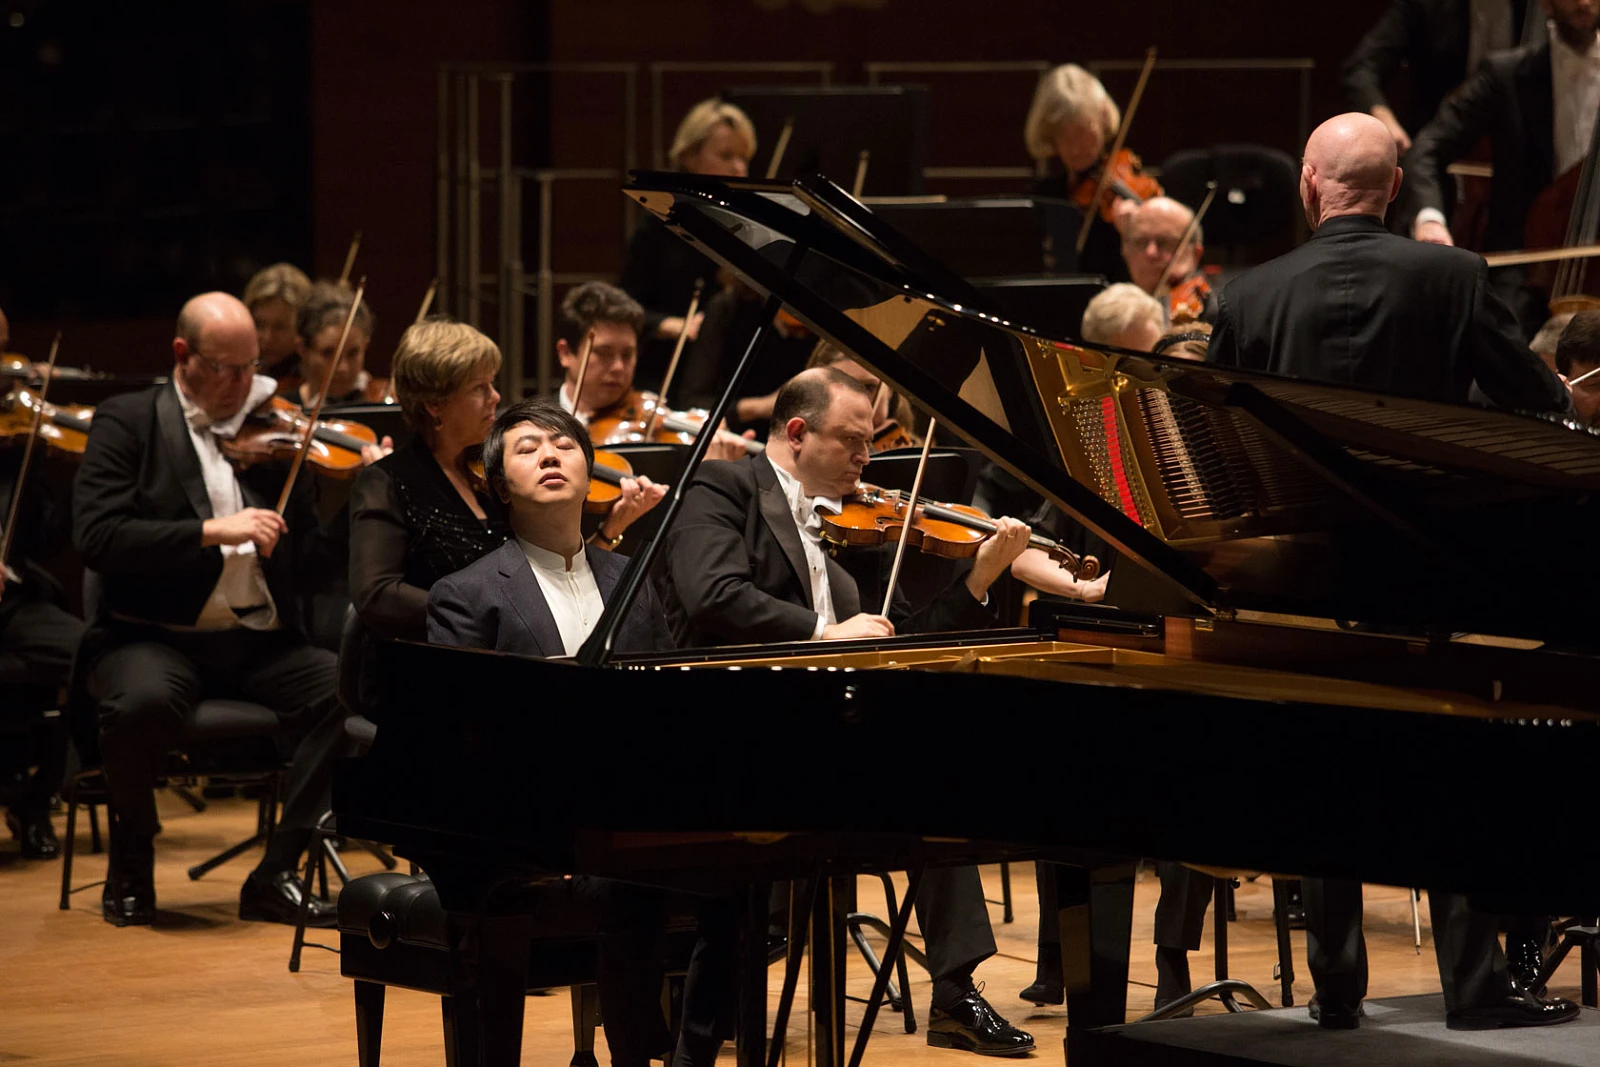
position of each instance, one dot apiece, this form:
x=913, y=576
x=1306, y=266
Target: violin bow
x=322, y=395
x=1585, y=376
x=1116, y=146
x=1187, y=236
x=672, y=364
x=780, y=148
x=350, y=259
x=911, y=518
x=422, y=313
x=15, y=509
x=583, y=371
x=861, y=173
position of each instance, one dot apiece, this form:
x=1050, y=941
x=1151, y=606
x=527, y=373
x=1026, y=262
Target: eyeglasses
x=228, y=370
x=1165, y=245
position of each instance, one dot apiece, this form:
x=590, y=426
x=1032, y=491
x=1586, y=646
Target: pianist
x=745, y=563
x=541, y=592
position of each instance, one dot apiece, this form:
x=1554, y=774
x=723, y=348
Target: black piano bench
x=393, y=932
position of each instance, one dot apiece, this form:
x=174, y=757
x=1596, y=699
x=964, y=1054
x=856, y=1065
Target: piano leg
x=488, y=1014
x=835, y=900
x=460, y=1014
x=1096, y=916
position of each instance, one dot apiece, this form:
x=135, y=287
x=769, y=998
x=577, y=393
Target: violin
x=64, y=428
x=1186, y=302
x=875, y=516
x=892, y=435
x=638, y=418
x=274, y=431
x=15, y=366
x=1124, y=179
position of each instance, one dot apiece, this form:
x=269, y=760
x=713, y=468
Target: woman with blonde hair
x=716, y=139
x=1071, y=123
x=274, y=297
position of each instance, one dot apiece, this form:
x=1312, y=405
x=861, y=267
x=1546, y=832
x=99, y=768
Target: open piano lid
x=1238, y=491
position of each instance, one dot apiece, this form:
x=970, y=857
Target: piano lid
x=1236, y=490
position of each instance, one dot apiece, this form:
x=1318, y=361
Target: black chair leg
x=460, y=1030
x=1589, y=960
x=69, y=847
x=369, y=1022
x=1280, y=920
x=186, y=795
x=95, y=844
x=305, y=905
x=1006, y=914
x=585, y=1018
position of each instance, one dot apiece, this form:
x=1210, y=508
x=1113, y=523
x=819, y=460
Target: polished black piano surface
x=1383, y=602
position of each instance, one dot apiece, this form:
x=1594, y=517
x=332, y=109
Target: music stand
x=980, y=236
x=833, y=124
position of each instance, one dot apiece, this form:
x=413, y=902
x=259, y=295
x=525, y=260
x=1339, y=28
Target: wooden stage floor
x=202, y=988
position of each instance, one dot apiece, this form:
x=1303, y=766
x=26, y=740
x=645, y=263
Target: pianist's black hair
x=807, y=396
x=543, y=413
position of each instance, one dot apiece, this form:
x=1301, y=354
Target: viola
x=637, y=418
x=1124, y=180
x=875, y=516
x=64, y=428
x=1186, y=302
x=274, y=431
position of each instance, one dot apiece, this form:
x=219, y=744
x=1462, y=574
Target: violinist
x=745, y=563
x=318, y=326
x=1073, y=121
x=614, y=319
x=1165, y=265
x=274, y=296
x=1536, y=104
x=893, y=419
x=200, y=578
x=1577, y=354
x=659, y=270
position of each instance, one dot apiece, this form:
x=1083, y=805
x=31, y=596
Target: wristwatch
x=608, y=543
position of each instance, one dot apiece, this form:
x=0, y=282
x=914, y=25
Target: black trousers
x=37, y=643
x=1181, y=908
x=1472, y=969
x=954, y=919
x=148, y=680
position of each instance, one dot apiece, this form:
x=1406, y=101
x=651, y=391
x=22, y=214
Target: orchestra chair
x=362, y=731
x=1257, y=209
x=393, y=932
x=225, y=741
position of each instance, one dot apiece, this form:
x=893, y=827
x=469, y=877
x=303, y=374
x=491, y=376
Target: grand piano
x=1387, y=600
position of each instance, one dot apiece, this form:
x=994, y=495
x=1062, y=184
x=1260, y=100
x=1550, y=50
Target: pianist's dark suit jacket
x=496, y=603
x=139, y=501
x=1358, y=305
x=737, y=569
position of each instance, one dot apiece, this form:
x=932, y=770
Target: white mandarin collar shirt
x=241, y=597
x=807, y=513
x=571, y=593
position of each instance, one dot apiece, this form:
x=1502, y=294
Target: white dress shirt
x=571, y=592
x=564, y=398
x=241, y=597
x=806, y=511
x=1575, y=79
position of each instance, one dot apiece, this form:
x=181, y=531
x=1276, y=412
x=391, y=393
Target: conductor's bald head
x=1349, y=169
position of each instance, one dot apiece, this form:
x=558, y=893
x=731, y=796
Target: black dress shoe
x=35, y=834
x=129, y=896
x=1525, y=961
x=1335, y=1016
x=1517, y=1007
x=1044, y=991
x=972, y=1026
x=276, y=899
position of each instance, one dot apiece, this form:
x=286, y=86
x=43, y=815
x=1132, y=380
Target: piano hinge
x=1205, y=626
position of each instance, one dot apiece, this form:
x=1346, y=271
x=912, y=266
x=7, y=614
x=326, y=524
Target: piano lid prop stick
x=583, y=369
x=677, y=354
x=911, y=518
x=350, y=259
x=780, y=148
x=422, y=313
x=15, y=510
x=1188, y=234
x=1117, y=145
x=322, y=396
x=861, y=173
